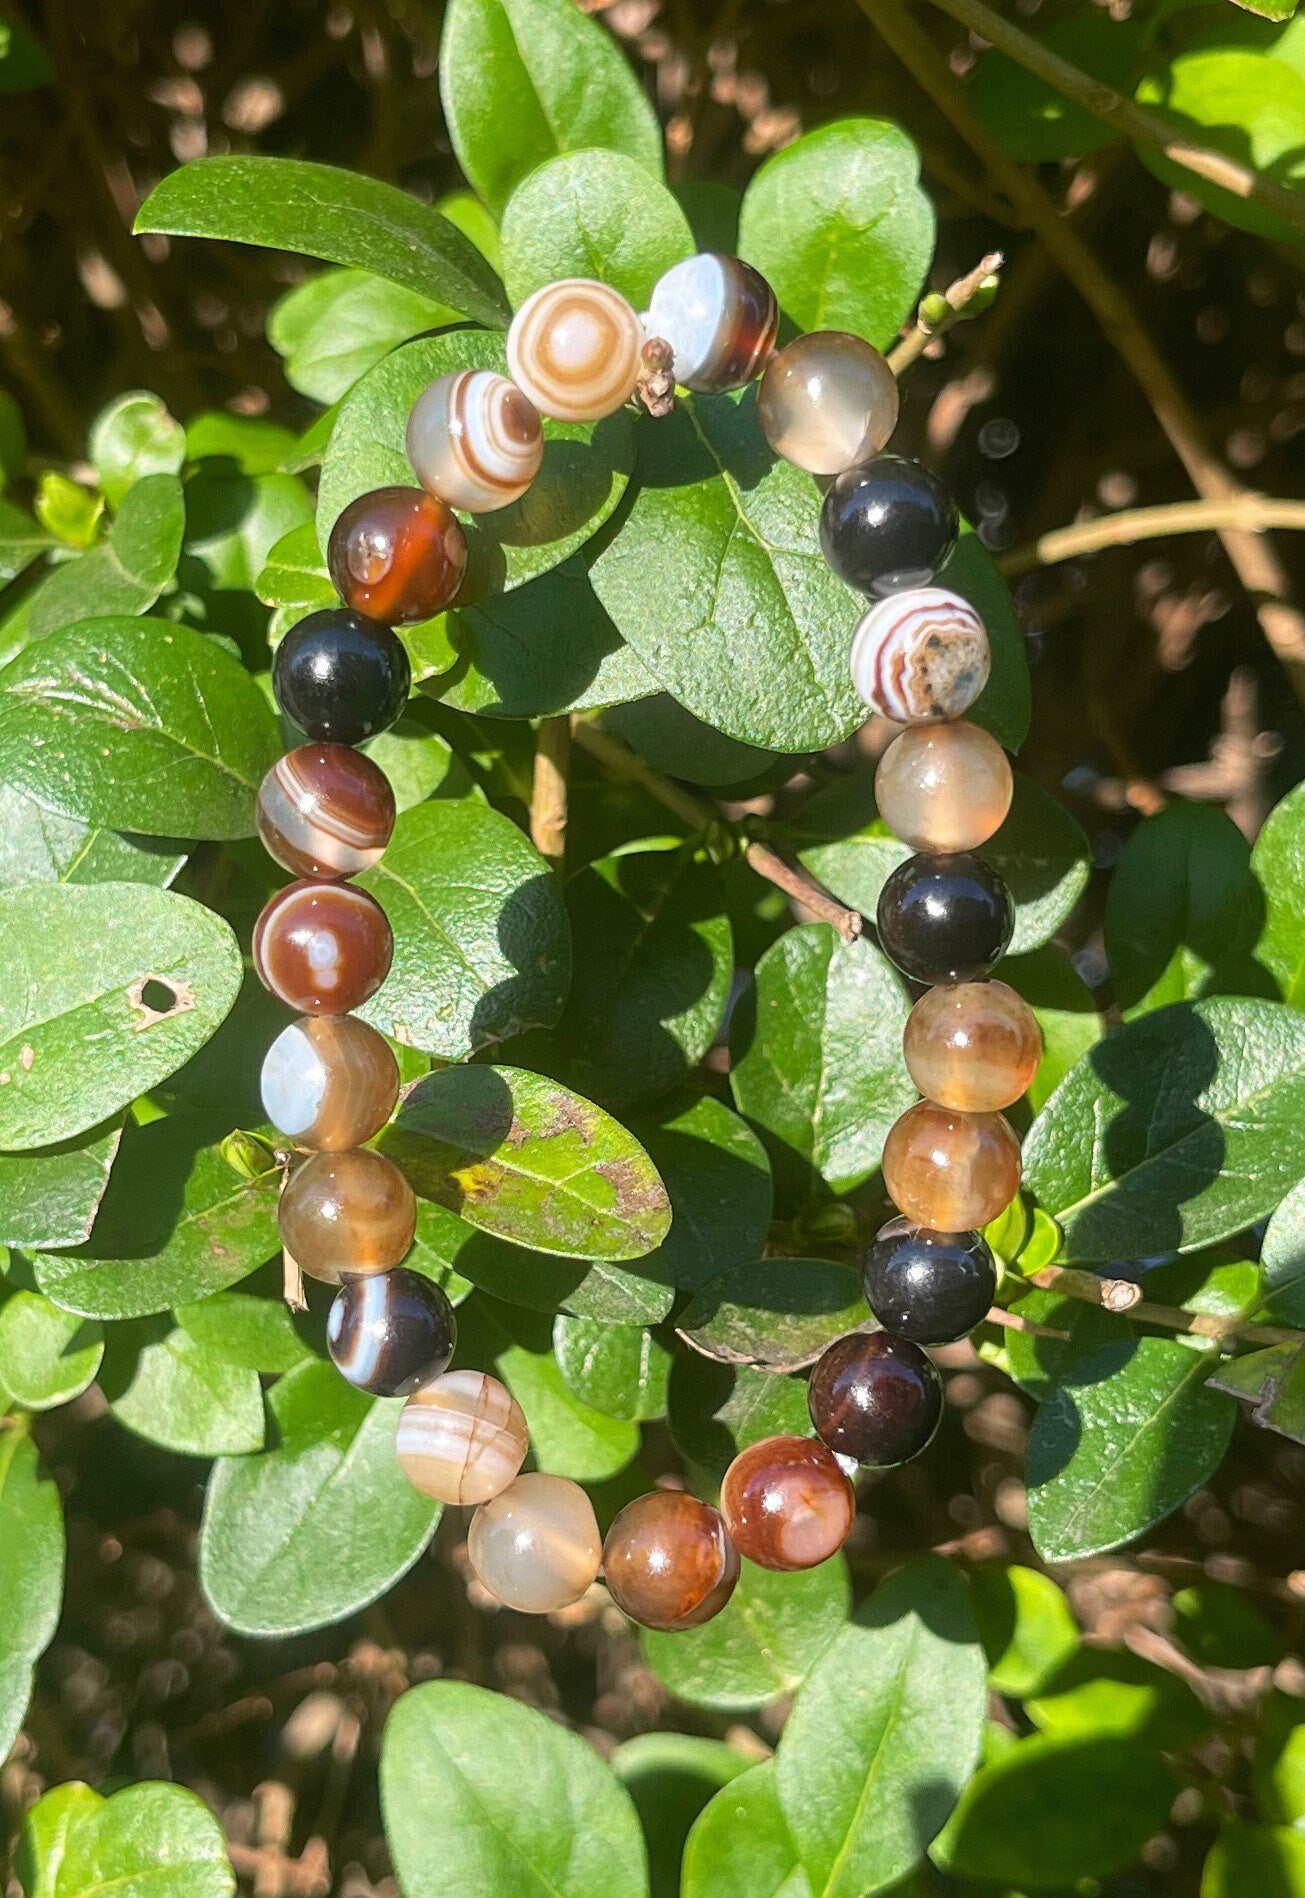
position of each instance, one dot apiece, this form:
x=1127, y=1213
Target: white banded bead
x=575, y=348
x=474, y=440
x=920, y=655
x=719, y=316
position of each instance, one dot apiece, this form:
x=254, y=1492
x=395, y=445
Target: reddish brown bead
x=323, y=947
x=786, y=1503
x=398, y=555
x=974, y=1047
x=325, y=811
x=875, y=1397
x=951, y=1171
x=668, y=1562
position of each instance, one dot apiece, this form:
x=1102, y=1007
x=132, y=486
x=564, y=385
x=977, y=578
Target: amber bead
x=329, y=1081
x=786, y=1503
x=875, y=1397
x=323, y=948
x=345, y=1215
x=827, y=401
x=398, y=555
x=945, y=919
x=944, y=787
x=535, y=1546
x=668, y=1562
x=325, y=811
x=974, y=1047
x=930, y=1287
x=951, y=1171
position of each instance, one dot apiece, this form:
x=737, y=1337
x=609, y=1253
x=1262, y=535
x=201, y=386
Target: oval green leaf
x=127, y=571
x=31, y=1574
x=47, y=1356
x=177, y=1390
x=620, y=1370
x=148, y=1841
x=741, y=1844
x=592, y=214
x=762, y=1644
x=780, y=1312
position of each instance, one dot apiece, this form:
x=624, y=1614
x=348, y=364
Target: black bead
x=876, y=1398
x=341, y=676
x=391, y=1331
x=888, y=524
x=945, y=919
x=930, y=1287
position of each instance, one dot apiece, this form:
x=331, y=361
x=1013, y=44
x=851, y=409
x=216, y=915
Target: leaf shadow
x=533, y=997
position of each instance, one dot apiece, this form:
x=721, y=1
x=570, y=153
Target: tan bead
x=975, y=1047
x=575, y=350
x=536, y=1547
x=345, y=1215
x=462, y=1438
x=944, y=788
x=329, y=1081
x=951, y=1171
x=827, y=401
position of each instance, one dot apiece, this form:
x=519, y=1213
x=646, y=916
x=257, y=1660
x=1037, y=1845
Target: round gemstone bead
x=575, y=349
x=344, y=1215
x=462, y=1438
x=391, y=1332
x=329, y=1081
x=536, y=1547
x=887, y=525
x=668, y=1562
x=975, y=1047
x=827, y=401
x=945, y=919
x=397, y=555
x=944, y=787
x=786, y=1503
x=325, y=811
x=930, y=1287
x=920, y=655
x=323, y=948
x=876, y=1398
x=340, y=676
x=719, y=316
x=474, y=440
x=951, y=1171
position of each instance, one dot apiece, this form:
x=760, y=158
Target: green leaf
x=1025, y=1625
x=22, y=541
x=1273, y=1382
x=838, y=224
x=47, y=1356
x=1240, y=102
x=314, y=1528
x=134, y=436
x=1278, y=1772
x=50, y=1196
x=1113, y=1691
x=233, y=521
x=23, y=63
x=334, y=328
x=254, y=1332
x=718, y=1177
x=1028, y=118
x=885, y=1733
x=762, y=1644
x=294, y=573
x=522, y=80
x=780, y=1312
x=671, y=1777
x=1125, y=1437
x=137, y=724
x=1282, y=1260
x=1254, y=1861
x=592, y=214
x=1038, y=1363
x=31, y=1574
x=323, y=211
x=251, y=443
x=741, y=1844
x=567, y=1436
x=127, y=571
x=419, y=762
x=175, y=1390
x=1220, y=1626
x=1182, y=907
x=1278, y=863
x=620, y=1370
x=715, y=1410
x=67, y=510
x=681, y=746
x=1066, y=1012
x=148, y=1841
x=40, y=846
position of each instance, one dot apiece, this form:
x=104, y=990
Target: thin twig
x=957, y=295
x=1248, y=513
x=548, y=797
x=1124, y=1297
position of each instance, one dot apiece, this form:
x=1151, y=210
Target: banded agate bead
x=474, y=440
x=323, y=948
x=887, y=524
x=786, y=1503
x=397, y=555
x=329, y=1081
x=951, y=1171
x=341, y=676
x=325, y=811
x=876, y=1398
x=462, y=1438
x=930, y=1287
x=347, y=1214
x=920, y=655
x=391, y=1332
x=575, y=350
x=945, y=919
x=944, y=787
x=536, y=1546
x=668, y=1562
x=719, y=316
x=975, y=1047
x=827, y=401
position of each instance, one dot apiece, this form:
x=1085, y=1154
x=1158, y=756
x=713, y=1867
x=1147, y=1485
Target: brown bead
x=951, y=1171
x=398, y=555
x=324, y=948
x=944, y=787
x=346, y=1215
x=786, y=1503
x=329, y=1081
x=974, y=1047
x=668, y=1562
x=875, y=1397
x=325, y=811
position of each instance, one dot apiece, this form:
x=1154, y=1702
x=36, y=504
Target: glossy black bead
x=887, y=524
x=876, y=1398
x=930, y=1287
x=341, y=676
x=945, y=919
x=391, y=1331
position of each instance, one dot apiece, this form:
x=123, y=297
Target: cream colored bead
x=575, y=350
x=536, y=1547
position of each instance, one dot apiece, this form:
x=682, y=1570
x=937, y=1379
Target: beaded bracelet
x=577, y=351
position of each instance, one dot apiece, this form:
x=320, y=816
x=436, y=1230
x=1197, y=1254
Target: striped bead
x=325, y=811
x=397, y=555
x=575, y=348
x=474, y=440
x=329, y=1082
x=323, y=948
x=920, y=655
x=462, y=1438
x=390, y=1333
x=719, y=316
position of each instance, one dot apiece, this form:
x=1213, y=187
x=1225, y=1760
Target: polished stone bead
x=827, y=401
x=325, y=811
x=920, y=656
x=340, y=676
x=536, y=1546
x=329, y=1081
x=975, y=1047
x=344, y=1215
x=575, y=349
x=951, y=1171
x=945, y=919
x=397, y=555
x=668, y=1562
x=474, y=440
x=323, y=948
x=930, y=1287
x=875, y=1397
x=462, y=1438
x=944, y=788
x=786, y=1503
x=887, y=524
x=391, y=1332
x=719, y=316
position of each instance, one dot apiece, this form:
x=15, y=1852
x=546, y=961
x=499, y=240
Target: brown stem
x=957, y=295
x=1124, y=1296
x=1248, y=513
x=548, y=797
